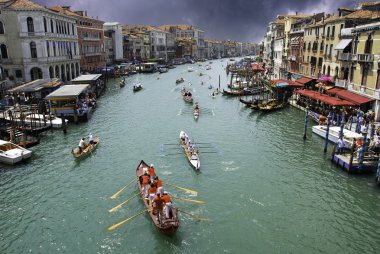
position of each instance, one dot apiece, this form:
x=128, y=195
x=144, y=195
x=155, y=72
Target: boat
x=348, y=136
x=190, y=69
x=87, y=151
x=249, y=103
x=208, y=67
x=271, y=106
x=162, y=68
x=168, y=226
x=193, y=157
x=196, y=112
x=210, y=86
x=39, y=120
x=179, y=80
x=232, y=59
x=28, y=142
x=137, y=87
x=233, y=92
x=187, y=96
x=122, y=84
x=11, y=153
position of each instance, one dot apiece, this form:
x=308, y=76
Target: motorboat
x=348, y=136
x=11, y=153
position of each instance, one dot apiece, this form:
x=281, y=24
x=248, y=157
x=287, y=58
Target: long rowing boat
x=168, y=226
x=87, y=151
x=193, y=156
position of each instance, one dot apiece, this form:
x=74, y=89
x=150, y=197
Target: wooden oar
x=194, y=216
x=190, y=200
x=125, y=221
x=121, y=204
x=117, y=193
x=181, y=188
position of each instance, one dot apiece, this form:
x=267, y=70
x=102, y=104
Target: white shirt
x=81, y=143
x=90, y=138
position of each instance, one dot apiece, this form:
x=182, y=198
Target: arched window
x=51, y=26
x=35, y=73
x=324, y=69
x=368, y=45
x=1, y=28
x=51, y=72
x=322, y=46
x=328, y=71
x=54, y=49
x=3, y=51
x=45, y=25
x=30, y=24
x=33, y=50
x=72, y=29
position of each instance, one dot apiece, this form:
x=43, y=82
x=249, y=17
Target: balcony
x=91, y=39
x=345, y=57
x=365, y=57
x=341, y=83
x=6, y=61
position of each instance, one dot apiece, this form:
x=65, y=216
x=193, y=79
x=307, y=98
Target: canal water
x=267, y=190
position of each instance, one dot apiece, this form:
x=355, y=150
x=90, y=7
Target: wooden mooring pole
x=327, y=132
x=306, y=116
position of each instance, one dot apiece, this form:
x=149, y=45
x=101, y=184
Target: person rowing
x=168, y=204
x=158, y=205
x=82, y=145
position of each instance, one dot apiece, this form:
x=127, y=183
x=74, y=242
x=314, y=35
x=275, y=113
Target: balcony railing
x=365, y=58
x=345, y=57
x=341, y=83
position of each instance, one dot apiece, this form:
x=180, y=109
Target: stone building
x=37, y=43
x=90, y=38
x=114, y=52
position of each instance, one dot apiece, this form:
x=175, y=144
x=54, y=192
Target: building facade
x=113, y=30
x=37, y=43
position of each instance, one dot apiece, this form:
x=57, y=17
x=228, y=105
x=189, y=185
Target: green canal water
x=267, y=190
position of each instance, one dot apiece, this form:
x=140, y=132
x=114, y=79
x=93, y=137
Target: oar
x=208, y=152
x=181, y=188
x=194, y=216
x=190, y=200
x=119, y=205
x=170, y=154
x=125, y=221
x=117, y=193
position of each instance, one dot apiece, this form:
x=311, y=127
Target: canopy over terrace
x=349, y=96
x=333, y=101
x=284, y=83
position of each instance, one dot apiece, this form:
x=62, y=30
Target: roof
x=25, y=4
x=257, y=67
x=369, y=3
x=363, y=14
x=304, y=80
x=89, y=77
x=353, y=97
x=69, y=12
x=343, y=44
x=67, y=91
x=333, y=101
x=36, y=85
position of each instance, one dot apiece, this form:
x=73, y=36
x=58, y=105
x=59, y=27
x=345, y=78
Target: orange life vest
x=167, y=198
x=158, y=183
x=145, y=179
x=152, y=190
x=151, y=172
x=159, y=202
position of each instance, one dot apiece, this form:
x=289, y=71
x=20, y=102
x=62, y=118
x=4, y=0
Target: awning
x=333, y=101
x=353, y=97
x=284, y=83
x=304, y=80
x=343, y=44
x=334, y=90
x=67, y=91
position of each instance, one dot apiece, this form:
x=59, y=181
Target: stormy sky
x=240, y=20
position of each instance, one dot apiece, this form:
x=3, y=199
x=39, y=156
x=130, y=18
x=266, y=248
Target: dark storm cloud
x=242, y=20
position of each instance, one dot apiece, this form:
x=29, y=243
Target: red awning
x=334, y=90
x=304, y=80
x=291, y=83
x=333, y=101
x=353, y=97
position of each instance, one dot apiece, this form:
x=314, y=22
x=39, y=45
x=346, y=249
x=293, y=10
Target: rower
x=168, y=204
x=82, y=145
x=158, y=205
x=151, y=172
x=152, y=192
x=196, y=106
x=90, y=139
x=183, y=136
x=144, y=180
x=157, y=182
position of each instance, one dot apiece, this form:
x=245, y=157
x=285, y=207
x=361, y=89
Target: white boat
x=348, y=136
x=11, y=153
x=196, y=114
x=208, y=67
x=37, y=120
x=190, y=69
x=192, y=157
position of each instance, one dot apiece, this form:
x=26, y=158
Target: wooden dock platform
x=344, y=161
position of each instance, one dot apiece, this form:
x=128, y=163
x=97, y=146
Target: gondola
x=193, y=158
x=271, y=106
x=168, y=226
x=196, y=114
x=233, y=92
x=137, y=87
x=186, y=97
x=87, y=151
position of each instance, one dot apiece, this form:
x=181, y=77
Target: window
x=1, y=28
x=33, y=50
x=54, y=49
x=328, y=32
x=51, y=26
x=333, y=31
x=47, y=48
x=3, y=51
x=18, y=73
x=45, y=25
x=378, y=80
x=368, y=45
x=322, y=46
x=72, y=29
x=30, y=25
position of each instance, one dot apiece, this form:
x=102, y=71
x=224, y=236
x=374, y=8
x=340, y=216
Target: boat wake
x=230, y=169
x=166, y=173
x=256, y=202
x=227, y=162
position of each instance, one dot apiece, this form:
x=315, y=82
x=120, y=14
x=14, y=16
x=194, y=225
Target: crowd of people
x=85, y=103
x=155, y=194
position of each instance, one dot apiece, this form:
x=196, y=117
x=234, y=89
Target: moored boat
x=167, y=226
x=87, y=151
x=348, y=136
x=11, y=153
x=233, y=92
x=179, y=80
x=190, y=151
x=271, y=106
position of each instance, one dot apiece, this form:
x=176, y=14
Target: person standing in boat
x=151, y=172
x=82, y=145
x=152, y=192
x=144, y=181
x=158, y=205
x=168, y=204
